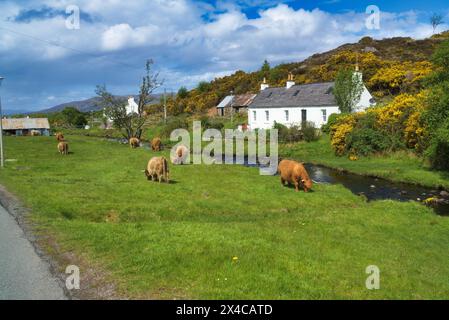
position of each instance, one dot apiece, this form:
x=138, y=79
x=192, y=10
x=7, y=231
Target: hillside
x=89, y=105
x=390, y=66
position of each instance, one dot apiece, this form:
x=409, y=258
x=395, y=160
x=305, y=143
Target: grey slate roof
x=306, y=95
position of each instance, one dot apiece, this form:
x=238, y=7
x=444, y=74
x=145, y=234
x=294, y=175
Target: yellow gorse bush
x=339, y=132
x=400, y=118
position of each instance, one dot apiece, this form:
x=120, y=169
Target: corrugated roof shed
x=241, y=100
x=306, y=95
x=25, y=123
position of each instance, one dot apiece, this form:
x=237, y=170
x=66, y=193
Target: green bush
x=364, y=141
x=288, y=135
x=333, y=119
x=365, y=138
x=178, y=122
x=212, y=123
x=309, y=131
x=438, y=151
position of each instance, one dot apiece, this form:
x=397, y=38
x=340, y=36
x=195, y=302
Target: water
x=379, y=189
x=375, y=188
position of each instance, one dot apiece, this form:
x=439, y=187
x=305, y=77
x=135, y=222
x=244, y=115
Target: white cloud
x=187, y=47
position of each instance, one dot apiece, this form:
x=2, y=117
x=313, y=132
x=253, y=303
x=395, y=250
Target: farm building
x=236, y=104
x=295, y=104
x=26, y=127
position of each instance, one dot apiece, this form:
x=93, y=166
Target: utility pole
x=232, y=108
x=2, y=161
x=165, y=105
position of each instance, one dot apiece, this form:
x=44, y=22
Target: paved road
x=23, y=274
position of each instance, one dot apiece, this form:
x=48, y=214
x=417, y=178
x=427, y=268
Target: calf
x=134, y=142
x=156, y=144
x=180, y=156
x=59, y=136
x=63, y=148
x=295, y=173
x=157, y=170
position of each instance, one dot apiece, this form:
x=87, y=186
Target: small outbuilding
x=235, y=104
x=26, y=126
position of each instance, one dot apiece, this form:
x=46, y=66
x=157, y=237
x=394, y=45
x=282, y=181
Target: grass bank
x=399, y=167
x=178, y=240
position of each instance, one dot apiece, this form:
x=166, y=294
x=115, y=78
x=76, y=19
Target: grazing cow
x=180, y=156
x=156, y=144
x=157, y=170
x=295, y=173
x=35, y=133
x=59, y=136
x=63, y=148
x=134, y=142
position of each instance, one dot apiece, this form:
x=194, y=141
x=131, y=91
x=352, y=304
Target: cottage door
x=303, y=115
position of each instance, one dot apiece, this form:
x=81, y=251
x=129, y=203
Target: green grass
x=399, y=166
x=178, y=240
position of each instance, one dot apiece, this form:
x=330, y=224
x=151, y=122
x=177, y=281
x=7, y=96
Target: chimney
x=290, y=82
x=264, y=85
x=358, y=74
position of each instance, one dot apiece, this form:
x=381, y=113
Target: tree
x=347, y=90
x=265, y=70
x=183, y=93
x=115, y=107
x=73, y=117
x=435, y=20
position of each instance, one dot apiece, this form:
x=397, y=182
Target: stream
x=375, y=188
x=379, y=189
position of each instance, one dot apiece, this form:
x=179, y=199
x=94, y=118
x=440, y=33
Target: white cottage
x=294, y=104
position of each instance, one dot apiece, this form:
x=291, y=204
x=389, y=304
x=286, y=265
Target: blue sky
x=45, y=63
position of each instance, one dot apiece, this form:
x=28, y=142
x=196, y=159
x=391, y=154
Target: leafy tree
x=347, y=90
x=435, y=20
x=115, y=108
x=183, y=93
x=73, y=117
x=203, y=87
x=265, y=69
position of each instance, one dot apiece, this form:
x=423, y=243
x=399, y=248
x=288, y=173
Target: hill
x=91, y=104
x=390, y=66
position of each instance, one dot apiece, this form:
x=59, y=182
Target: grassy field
x=178, y=240
x=400, y=166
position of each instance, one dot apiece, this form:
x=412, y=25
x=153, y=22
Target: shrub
x=212, y=123
x=285, y=134
x=364, y=139
x=339, y=131
x=331, y=121
x=438, y=151
x=179, y=122
x=309, y=132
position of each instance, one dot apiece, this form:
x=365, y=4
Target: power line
x=52, y=43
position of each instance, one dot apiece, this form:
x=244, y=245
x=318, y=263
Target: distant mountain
x=92, y=104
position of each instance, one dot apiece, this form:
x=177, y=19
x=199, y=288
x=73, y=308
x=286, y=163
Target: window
x=324, y=112
x=296, y=93
x=267, y=115
x=286, y=115
x=303, y=115
x=254, y=115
